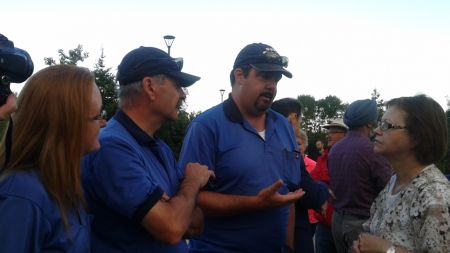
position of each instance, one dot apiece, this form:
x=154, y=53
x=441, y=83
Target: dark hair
x=287, y=106
x=374, y=124
x=313, y=152
x=245, y=70
x=427, y=126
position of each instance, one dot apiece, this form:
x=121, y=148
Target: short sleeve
x=198, y=146
x=119, y=179
x=23, y=226
x=431, y=219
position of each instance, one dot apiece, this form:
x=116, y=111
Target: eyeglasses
x=384, y=126
x=101, y=116
x=270, y=57
x=175, y=63
x=330, y=133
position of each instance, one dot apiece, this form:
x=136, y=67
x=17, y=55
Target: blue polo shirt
x=244, y=164
x=122, y=182
x=30, y=220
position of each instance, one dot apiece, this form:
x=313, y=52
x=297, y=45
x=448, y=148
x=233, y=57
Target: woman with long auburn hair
x=41, y=203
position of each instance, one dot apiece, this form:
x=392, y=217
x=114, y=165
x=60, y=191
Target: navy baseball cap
x=150, y=61
x=262, y=57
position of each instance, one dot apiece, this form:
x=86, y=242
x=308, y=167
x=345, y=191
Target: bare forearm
x=184, y=203
x=221, y=205
x=169, y=219
x=367, y=243
x=291, y=227
x=197, y=224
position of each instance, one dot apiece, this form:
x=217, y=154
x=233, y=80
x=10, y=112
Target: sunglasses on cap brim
x=175, y=63
x=269, y=58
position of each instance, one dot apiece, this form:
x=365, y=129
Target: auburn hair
x=49, y=132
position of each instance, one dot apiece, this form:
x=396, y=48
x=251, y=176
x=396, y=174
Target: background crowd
x=246, y=179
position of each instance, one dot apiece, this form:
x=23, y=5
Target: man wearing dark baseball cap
x=254, y=154
x=141, y=199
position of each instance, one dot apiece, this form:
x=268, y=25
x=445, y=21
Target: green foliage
x=319, y=113
x=73, y=58
x=3, y=127
x=444, y=163
x=107, y=86
x=173, y=133
x=103, y=76
x=308, y=112
x=381, y=105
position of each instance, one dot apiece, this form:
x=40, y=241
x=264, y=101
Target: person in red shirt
x=337, y=130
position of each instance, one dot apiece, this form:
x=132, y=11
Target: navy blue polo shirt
x=244, y=164
x=122, y=182
x=30, y=219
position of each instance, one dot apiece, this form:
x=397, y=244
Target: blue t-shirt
x=244, y=164
x=122, y=182
x=30, y=220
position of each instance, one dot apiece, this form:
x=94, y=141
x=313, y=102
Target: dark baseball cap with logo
x=262, y=57
x=150, y=61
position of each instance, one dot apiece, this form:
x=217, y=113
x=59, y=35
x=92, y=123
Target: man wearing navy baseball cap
x=142, y=200
x=254, y=154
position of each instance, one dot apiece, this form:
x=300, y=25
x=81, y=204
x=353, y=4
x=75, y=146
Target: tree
x=329, y=108
x=381, y=105
x=73, y=58
x=308, y=103
x=319, y=113
x=103, y=76
x=107, y=86
x=173, y=133
x=444, y=163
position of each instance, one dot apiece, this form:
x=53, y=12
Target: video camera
x=15, y=67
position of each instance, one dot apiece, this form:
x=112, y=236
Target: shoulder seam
x=34, y=203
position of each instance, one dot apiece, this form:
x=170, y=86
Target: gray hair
x=302, y=135
x=129, y=93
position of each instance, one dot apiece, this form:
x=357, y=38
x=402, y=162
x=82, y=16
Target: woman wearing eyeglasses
x=41, y=204
x=411, y=214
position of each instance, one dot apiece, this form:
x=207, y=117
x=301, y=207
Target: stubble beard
x=263, y=106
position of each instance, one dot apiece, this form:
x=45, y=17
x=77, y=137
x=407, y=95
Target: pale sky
x=344, y=48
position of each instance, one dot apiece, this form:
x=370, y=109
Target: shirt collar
x=232, y=111
x=138, y=134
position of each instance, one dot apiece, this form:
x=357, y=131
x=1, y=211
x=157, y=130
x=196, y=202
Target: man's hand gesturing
x=269, y=198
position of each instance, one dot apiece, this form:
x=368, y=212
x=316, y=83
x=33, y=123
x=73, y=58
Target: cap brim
x=335, y=125
x=271, y=68
x=185, y=79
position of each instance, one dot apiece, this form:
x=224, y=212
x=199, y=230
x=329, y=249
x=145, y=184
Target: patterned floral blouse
x=418, y=219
